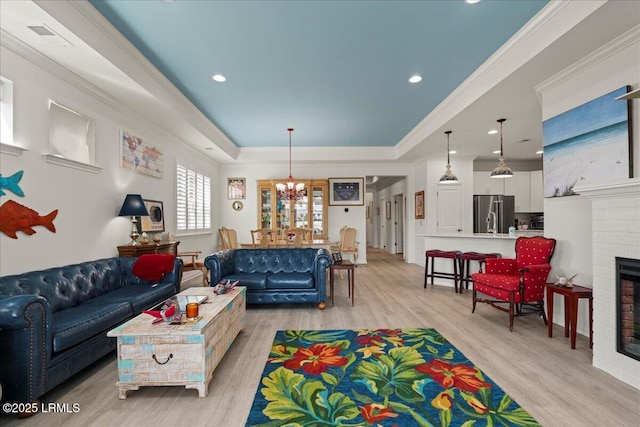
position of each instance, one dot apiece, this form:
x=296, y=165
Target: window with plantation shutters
x=193, y=200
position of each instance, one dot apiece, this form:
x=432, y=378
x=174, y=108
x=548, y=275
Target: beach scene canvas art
x=588, y=144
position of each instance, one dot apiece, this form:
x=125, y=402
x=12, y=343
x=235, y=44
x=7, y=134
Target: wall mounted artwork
x=155, y=221
x=588, y=144
x=236, y=188
x=346, y=191
x=419, y=204
x=140, y=155
x=12, y=184
x=15, y=217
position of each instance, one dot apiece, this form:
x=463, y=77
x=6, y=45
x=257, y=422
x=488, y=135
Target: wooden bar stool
x=465, y=268
x=432, y=254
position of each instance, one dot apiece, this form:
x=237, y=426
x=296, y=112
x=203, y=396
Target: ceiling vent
x=50, y=36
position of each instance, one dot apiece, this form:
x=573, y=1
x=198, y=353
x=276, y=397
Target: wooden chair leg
x=511, y=311
x=473, y=309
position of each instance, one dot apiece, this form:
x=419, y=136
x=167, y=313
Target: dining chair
x=299, y=237
x=264, y=238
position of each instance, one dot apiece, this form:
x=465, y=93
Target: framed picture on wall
x=346, y=191
x=589, y=144
x=388, y=209
x=236, y=188
x=420, y=205
x=155, y=221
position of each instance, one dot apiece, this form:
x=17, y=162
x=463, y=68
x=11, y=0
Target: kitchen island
x=468, y=242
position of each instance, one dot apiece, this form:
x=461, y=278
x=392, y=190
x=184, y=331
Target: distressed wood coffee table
x=184, y=354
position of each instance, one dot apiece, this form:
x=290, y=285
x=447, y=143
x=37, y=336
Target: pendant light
x=502, y=170
x=448, y=177
x=290, y=190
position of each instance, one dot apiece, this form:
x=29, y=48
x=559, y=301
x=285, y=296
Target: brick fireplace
x=615, y=234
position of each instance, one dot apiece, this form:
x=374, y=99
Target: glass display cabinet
x=309, y=211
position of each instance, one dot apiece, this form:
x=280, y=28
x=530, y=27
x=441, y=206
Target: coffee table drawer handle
x=165, y=362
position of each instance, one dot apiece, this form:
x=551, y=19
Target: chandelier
x=290, y=190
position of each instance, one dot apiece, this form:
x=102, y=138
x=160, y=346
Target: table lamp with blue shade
x=134, y=207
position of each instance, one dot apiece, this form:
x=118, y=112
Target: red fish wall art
x=15, y=217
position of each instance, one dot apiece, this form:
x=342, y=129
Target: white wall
x=569, y=219
x=87, y=227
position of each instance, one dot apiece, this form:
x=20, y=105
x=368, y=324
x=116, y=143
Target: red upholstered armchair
x=518, y=283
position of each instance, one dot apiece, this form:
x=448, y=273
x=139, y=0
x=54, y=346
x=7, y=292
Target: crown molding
x=126, y=57
x=554, y=20
x=56, y=69
x=613, y=47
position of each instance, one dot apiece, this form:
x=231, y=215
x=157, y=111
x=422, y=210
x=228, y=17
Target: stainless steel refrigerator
x=502, y=206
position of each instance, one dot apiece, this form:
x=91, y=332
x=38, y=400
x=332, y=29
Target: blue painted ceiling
x=336, y=71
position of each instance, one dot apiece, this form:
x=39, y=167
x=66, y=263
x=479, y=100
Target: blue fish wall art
x=11, y=184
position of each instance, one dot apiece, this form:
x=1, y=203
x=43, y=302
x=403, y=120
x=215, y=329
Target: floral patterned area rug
x=383, y=377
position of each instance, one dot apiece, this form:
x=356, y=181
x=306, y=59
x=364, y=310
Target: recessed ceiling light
x=415, y=79
x=452, y=152
x=472, y=1
x=496, y=152
x=539, y=152
x=492, y=132
x=219, y=78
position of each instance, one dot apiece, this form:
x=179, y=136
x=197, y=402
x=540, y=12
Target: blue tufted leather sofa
x=274, y=275
x=53, y=323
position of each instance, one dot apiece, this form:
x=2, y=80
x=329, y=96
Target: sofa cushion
x=249, y=280
x=141, y=297
x=76, y=324
x=290, y=281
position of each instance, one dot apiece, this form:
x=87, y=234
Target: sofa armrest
x=25, y=346
x=219, y=265
x=321, y=262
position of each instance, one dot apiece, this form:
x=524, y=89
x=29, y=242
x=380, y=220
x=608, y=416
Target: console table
x=129, y=251
x=571, y=297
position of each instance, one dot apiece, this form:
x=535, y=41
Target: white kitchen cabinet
x=484, y=184
x=519, y=186
x=537, y=195
x=525, y=186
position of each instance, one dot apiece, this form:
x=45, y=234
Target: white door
x=399, y=224
x=449, y=199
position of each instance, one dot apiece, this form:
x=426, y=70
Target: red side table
x=571, y=297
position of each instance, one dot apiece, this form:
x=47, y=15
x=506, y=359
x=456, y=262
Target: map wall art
x=140, y=155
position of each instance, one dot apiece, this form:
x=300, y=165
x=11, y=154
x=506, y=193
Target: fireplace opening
x=628, y=306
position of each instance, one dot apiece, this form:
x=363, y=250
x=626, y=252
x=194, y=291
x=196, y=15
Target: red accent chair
x=518, y=283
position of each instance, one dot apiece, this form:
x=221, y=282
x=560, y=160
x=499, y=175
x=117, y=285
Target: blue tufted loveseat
x=53, y=323
x=274, y=275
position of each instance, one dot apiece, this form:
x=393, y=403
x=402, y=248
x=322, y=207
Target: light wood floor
x=557, y=385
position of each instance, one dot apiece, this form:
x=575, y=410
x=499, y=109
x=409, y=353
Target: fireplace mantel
x=611, y=189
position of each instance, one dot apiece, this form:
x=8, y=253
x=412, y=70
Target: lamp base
x=134, y=232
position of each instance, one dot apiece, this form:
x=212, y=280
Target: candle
x=192, y=310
